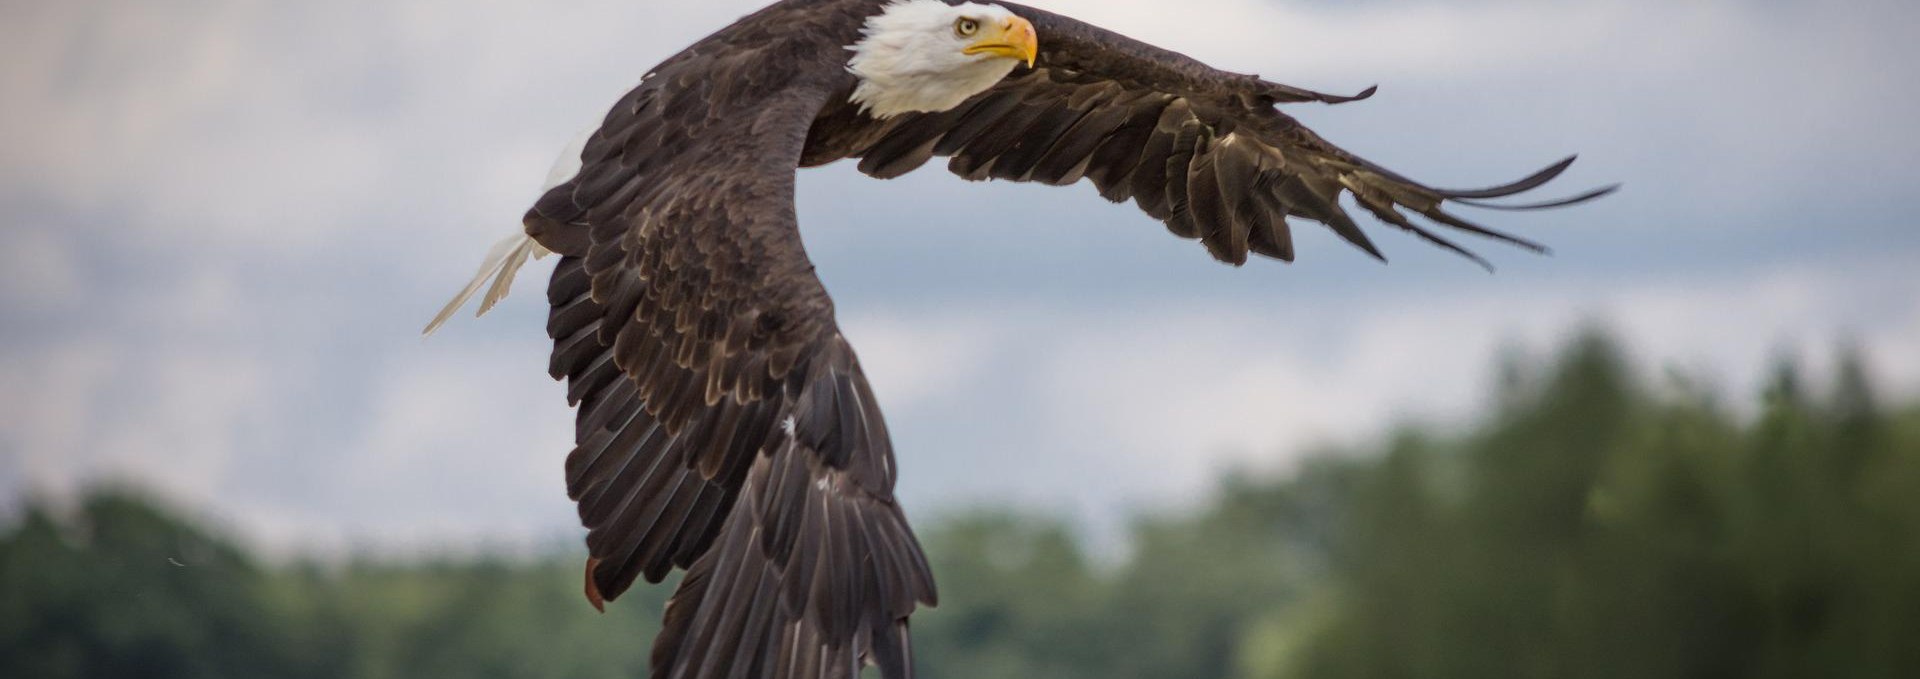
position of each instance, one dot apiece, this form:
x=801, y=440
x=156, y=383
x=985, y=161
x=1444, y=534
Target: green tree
x=125, y=590
x=1605, y=528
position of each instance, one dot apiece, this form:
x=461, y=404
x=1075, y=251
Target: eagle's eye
x=966, y=27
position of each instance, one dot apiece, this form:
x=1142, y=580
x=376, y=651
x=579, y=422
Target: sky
x=226, y=221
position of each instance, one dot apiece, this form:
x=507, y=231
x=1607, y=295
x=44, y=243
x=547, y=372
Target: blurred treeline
x=1596, y=523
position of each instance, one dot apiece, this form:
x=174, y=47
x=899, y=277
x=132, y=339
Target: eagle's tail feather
x=501, y=264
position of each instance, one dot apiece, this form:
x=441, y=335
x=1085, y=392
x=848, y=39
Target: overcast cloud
x=227, y=219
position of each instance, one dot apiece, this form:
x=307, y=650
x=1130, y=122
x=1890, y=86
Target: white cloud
x=170, y=420
x=909, y=362
x=227, y=123
x=465, y=445
x=46, y=400
x=39, y=271
x=1150, y=403
x=183, y=432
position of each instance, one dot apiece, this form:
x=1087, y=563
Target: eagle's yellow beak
x=1012, y=38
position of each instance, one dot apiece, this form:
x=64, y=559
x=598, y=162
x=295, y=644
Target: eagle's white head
x=927, y=55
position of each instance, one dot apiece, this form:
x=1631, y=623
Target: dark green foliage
x=125, y=590
x=1592, y=525
x=1607, y=529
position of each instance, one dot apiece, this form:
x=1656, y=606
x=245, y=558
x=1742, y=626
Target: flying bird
x=724, y=425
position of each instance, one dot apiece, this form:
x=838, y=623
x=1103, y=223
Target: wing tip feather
x=1590, y=195
x=1287, y=94
x=593, y=586
x=1361, y=95
x=1528, y=183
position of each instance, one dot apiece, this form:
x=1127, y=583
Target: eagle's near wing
x=724, y=424
x=1203, y=150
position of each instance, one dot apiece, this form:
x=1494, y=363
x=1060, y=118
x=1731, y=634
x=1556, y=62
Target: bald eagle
x=724, y=425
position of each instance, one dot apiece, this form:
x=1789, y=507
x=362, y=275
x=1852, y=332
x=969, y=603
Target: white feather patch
x=507, y=256
x=910, y=60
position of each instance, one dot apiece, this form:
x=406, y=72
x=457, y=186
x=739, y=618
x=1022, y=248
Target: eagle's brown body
x=725, y=425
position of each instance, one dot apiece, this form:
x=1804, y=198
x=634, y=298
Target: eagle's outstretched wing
x=724, y=425
x=1203, y=150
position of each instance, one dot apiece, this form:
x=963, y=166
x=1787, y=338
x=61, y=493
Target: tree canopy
x=1593, y=523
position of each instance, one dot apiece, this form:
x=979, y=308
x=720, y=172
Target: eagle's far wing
x=724, y=424
x=1204, y=151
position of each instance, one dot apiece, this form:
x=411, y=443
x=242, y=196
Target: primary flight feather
x=724, y=425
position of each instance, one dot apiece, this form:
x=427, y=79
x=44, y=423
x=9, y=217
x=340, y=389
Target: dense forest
x=1597, y=521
